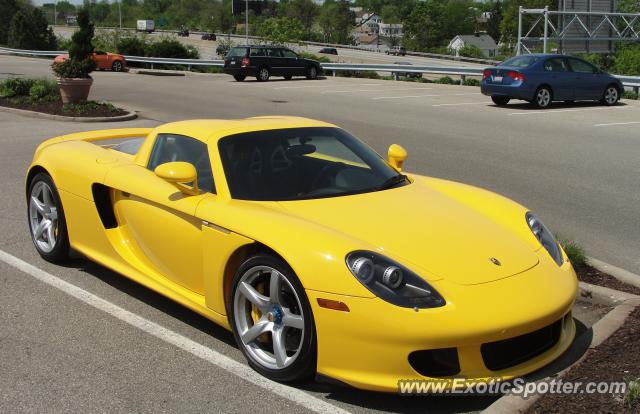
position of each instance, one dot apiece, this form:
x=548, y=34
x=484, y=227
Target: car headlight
x=545, y=237
x=392, y=282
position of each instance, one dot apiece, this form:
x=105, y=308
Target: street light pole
x=120, y=12
x=55, y=13
x=246, y=21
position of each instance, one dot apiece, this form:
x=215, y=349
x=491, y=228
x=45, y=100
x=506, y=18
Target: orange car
x=104, y=60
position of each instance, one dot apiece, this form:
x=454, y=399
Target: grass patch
x=88, y=107
x=576, y=253
x=632, y=396
x=445, y=80
x=471, y=82
x=630, y=95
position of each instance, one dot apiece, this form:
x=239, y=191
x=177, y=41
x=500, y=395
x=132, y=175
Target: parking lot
x=576, y=165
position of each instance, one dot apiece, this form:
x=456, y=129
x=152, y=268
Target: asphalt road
x=60, y=354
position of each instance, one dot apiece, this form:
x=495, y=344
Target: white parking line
x=462, y=103
x=377, y=98
x=323, y=86
x=377, y=90
x=222, y=361
x=617, y=123
x=555, y=111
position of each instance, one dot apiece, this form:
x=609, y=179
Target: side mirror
x=179, y=174
x=396, y=156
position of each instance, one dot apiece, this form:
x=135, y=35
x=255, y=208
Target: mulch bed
x=56, y=108
x=617, y=359
x=592, y=275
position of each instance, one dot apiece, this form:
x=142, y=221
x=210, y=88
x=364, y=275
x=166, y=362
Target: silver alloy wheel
x=264, y=74
x=43, y=217
x=117, y=66
x=543, y=98
x=271, y=328
x=611, y=95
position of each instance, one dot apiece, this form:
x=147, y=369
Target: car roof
x=261, y=46
x=211, y=130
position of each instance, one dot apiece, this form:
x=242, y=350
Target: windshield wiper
x=392, y=182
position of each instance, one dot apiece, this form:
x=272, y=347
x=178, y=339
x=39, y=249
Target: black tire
x=61, y=249
x=288, y=77
x=263, y=74
x=500, y=100
x=117, y=66
x=543, y=97
x=312, y=73
x=304, y=364
x=239, y=78
x=610, y=96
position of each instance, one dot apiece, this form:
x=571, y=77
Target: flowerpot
x=74, y=89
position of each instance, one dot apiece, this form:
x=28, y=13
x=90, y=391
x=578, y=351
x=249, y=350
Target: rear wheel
x=543, y=97
x=263, y=74
x=117, y=66
x=312, y=73
x=46, y=219
x=611, y=95
x=272, y=320
x=288, y=77
x=500, y=100
x=239, y=78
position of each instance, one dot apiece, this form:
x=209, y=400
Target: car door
x=295, y=65
x=559, y=77
x=276, y=61
x=101, y=59
x=587, y=82
x=158, y=222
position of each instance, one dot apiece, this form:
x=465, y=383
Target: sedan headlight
x=545, y=237
x=392, y=282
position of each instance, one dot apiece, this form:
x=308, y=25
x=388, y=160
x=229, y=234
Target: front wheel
x=263, y=74
x=117, y=66
x=239, y=78
x=611, y=95
x=272, y=320
x=46, y=219
x=543, y=97
x=288, y=77
x=500, y=100
x=312, y=73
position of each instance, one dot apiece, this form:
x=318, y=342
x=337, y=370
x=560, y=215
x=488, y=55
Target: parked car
x=183, y=32
x=266, y=61
x=397, y=51
x=145, y=26
x=544, y=78
x=407, y=74
x=208, y=36
x=103, y=60
x=329, y=51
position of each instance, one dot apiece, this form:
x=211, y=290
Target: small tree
x=80, y=63
x=29, y=30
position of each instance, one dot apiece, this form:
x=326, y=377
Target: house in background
x=482, y=41
x=391, y=30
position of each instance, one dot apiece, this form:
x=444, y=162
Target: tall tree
x=29, y=29
x=494, y=20
x=305, y=11
x=8, y=8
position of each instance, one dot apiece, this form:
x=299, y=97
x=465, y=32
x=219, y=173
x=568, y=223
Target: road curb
x=624, y=303
x=617, y=272
x=33, y=114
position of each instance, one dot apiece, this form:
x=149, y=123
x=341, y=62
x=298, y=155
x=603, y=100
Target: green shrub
x=445, y=80
x=632, y=396
x=15, y=87
x=71, y=68
x=471, y=82
x=321, y=59
x=367, y=74
x=627, y=61
x=29, y=30
x=44, y=90
x=471, y=51
x=80, y=63
x=630, y=95
x=575, y=252
x=131, y=46
x=171, y=48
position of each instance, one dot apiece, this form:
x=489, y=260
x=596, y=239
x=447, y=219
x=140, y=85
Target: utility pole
x=120, y=12
x=55, y=13
x=246, y=21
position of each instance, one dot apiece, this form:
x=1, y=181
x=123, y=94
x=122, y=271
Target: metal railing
x=632, y=82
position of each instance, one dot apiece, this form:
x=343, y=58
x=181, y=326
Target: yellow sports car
x=320, y=256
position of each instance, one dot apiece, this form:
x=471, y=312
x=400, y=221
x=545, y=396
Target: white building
x=482, y=41
x=391, y=30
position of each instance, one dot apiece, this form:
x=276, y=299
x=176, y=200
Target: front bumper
x=369, y=346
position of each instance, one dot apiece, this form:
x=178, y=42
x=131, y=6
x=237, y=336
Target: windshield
x=237, y=52
x=302, y=163
x=520, y=61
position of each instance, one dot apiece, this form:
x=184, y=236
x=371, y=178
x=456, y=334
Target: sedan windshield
x=520, y=61
x=302, y=163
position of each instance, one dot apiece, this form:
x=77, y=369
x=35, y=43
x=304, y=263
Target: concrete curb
x=624, y=303
x=620, y=274
x=33, y=114
x=157, y=72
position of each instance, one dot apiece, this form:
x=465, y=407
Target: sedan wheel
x=543, y=97
x=312, y=73
x=500, y=100
x=117, y=66
x=611, y=96
x=46, y=219
x=263, y=74
x=272, y=320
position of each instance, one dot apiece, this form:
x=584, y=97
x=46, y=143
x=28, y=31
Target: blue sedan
x=544, y=78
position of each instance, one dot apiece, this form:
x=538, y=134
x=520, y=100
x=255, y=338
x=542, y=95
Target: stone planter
x=74, y=89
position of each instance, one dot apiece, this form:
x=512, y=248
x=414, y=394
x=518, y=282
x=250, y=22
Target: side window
x=581, y=66
x=274, y=52
x=289, y=53
x=257, y=52
x=170, y=148
x=556, y=65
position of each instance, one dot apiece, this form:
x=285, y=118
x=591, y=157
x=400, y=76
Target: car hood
x=428, y=231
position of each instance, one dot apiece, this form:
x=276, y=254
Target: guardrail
x=632, y=82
